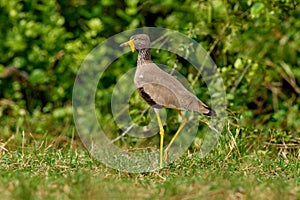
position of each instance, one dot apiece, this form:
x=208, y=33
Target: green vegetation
x=256, y=46
x=236, y=169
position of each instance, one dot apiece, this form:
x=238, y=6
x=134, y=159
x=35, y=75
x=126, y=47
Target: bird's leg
x=183, y=122
x=161, y=132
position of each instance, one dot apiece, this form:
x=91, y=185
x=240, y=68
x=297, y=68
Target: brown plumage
x=160, y=89
x=165, y=90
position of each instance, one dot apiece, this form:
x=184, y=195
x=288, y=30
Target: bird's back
x=162, y=89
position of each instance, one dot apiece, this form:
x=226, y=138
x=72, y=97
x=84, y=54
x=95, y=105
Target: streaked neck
x=144, y=56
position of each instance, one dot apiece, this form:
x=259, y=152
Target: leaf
x=38, y=76
x=257, y=9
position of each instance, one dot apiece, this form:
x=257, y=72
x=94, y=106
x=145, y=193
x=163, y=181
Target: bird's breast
x=141, y=76
x=139, y=79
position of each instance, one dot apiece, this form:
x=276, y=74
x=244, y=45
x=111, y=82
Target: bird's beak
x=129, y=43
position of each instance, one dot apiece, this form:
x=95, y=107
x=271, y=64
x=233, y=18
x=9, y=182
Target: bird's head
x=138, y=41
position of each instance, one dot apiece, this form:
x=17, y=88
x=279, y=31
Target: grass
x=240, y=167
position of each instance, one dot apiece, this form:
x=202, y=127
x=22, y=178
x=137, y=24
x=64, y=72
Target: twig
x=292, y=80
x=163, y=178
x=72, y=140
x=160, y=41
x=173, y=69
x=11, y=71
x=292, y=145
x=7, y=141
x=286, y=74
x=57, y=58
x=123, y=134
x=128, y=128
x=3, y=148
x=239, y=79
x=23, y=142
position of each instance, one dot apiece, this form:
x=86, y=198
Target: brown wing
x=159, y=95
x=160, y=88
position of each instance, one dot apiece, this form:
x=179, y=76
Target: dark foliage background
x=255, y=44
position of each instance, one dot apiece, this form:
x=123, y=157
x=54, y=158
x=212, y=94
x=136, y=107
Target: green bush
x=255, y=45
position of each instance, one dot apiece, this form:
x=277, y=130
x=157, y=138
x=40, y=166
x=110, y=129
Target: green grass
x=238, y=168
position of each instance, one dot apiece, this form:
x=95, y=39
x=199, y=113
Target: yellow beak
x=129, y=43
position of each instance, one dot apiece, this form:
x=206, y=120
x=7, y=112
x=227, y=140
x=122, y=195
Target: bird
x=162, y=90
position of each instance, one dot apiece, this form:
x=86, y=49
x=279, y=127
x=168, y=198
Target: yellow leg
x=183, y=122
x=161, y=132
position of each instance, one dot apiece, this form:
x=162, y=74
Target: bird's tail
x=204, y=109
x=210, y=112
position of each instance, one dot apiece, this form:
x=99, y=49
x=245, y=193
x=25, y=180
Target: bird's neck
x=144, y=56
